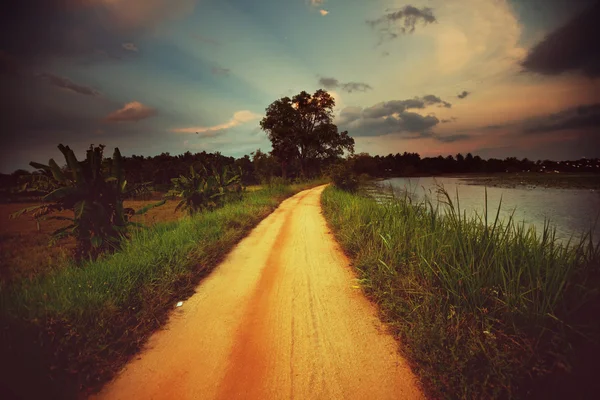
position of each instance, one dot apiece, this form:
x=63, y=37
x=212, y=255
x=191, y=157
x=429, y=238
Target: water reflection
x=571, y=211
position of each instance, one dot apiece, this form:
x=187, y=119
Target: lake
x=571, y=211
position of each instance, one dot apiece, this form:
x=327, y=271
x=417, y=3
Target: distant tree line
x=411, y=164
x=305, y=143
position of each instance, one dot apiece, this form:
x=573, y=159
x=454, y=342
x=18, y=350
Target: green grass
x=496, y=311
x=68, y=332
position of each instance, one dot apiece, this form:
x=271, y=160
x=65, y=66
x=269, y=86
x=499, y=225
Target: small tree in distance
x=302, y=129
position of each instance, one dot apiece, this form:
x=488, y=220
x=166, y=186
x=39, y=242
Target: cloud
x=130, y=47
x=407, y=17
x=392, y=117
x=65, y=83
x=388, y=108
x=221, y=71
x=574, y=47
x=452, y=138
x=463, y=94
x=332, y=83
x=44, y=30
x=580, y=117
x=240, y=117
x=449, y=120
x=134, y=111
x=406, y=124
x=323, y=12
x=431, y=99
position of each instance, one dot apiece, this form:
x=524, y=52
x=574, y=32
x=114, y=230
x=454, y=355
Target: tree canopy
x=301, y=129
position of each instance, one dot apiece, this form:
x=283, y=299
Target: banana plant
x=94, y=194
x=201, y=191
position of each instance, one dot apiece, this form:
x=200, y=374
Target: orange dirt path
x=280, y=318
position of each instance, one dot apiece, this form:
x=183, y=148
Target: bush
x=343, y=177
x=94, y=192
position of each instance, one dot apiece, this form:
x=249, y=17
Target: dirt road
x=281, y=318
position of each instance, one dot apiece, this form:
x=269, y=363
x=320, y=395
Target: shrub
x=94, y=194
x=343, y=177
x=201, y=191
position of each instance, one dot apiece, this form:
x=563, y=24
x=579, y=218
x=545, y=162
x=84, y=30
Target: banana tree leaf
x=40, y=166
x=56, y=172
x=145, y=209
x=73, y=164
x=62, y=232
x=117, y=170
x=79, y=209
x=180, y=205
x=17, y=214
x=57, y=217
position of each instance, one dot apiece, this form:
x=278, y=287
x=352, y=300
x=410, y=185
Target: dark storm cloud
x=36, y=31
x=463, y=94
x=406, y=124
x=39, y=31
x=397, y=106
x=332, y=83
x=401, y=21
x=581, y=117
x=392, y=117
x=36, y=34
x=572, y=48
x=67, y=84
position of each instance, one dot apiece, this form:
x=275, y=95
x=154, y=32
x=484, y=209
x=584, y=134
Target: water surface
x=571, y=211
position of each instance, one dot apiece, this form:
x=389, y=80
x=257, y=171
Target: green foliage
x=301, y=129
x=94, y=194
x=343, y=177
x=483, y=310
x=265, y=166
x=202, y=191
x=75, y=328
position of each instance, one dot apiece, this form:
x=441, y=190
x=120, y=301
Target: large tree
x=301, y=129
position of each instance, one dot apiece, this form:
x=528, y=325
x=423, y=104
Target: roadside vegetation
x=482, y=311
x=72, y=329
x=69, y=328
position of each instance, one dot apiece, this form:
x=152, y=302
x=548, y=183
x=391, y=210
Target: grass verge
x=64, y=334
x=493, y=311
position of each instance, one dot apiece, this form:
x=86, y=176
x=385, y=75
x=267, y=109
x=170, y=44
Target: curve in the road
x=280, y=318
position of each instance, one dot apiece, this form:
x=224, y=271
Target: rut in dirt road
x=280, y=318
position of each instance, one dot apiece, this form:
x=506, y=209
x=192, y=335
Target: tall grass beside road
x=492, y=310
x=67, y=332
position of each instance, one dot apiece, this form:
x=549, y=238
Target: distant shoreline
x=531, y=180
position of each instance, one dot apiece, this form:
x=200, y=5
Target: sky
x=497, y=78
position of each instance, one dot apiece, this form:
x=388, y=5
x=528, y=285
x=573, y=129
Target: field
x=25, y=251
